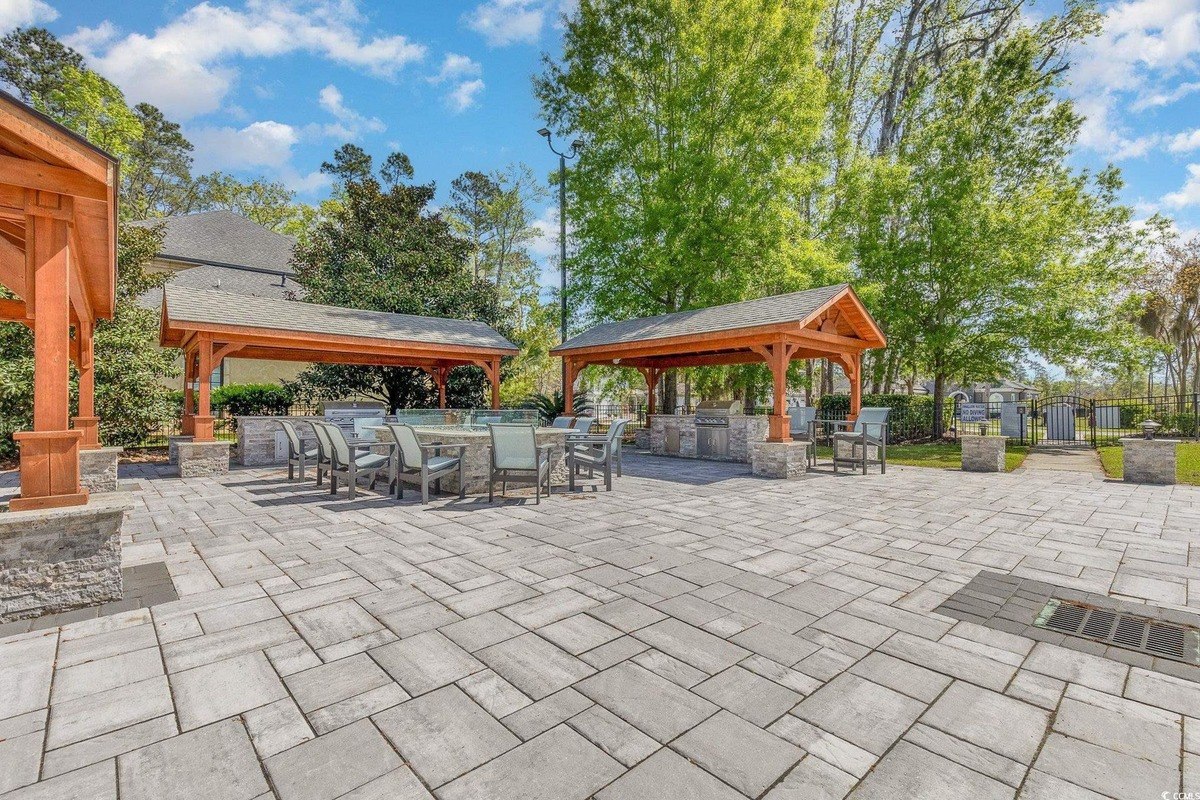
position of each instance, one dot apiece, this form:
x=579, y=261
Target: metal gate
x=1063, y=419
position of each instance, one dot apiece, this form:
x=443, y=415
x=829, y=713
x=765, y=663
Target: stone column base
x=197, y=459
x=173, y=447
x=62, y=558
x=1148, y=460
x=98, y=469
x=779, y=459
x=983, y=453
x=641, y=438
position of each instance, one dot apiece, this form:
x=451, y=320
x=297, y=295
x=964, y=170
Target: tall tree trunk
x=939, y=400
x=808, y=379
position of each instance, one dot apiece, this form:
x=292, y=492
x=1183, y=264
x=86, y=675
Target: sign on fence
x=972, y=412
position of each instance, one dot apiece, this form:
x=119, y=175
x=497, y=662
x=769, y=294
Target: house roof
x=223, y=238
x=186, y=308
x=234, y=280
x=795, y=307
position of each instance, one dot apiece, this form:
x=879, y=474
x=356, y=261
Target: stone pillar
x=98, y=469
x=779, y=459
x=173, y=447
x=1148, y=460
x=983, y=453
x=197, y=458
x=59, y=559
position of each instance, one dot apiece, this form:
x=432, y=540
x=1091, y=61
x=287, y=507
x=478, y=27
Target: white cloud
x=465, y=95
x=1185, y=142
x=260, y=144
x=185, y=67
x=21, y=13
x=505, y=22
x=1189, y=193
x=457, y=66
x=1137, y=61
x=350, y=124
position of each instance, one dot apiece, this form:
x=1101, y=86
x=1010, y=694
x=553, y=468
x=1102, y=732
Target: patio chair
x=870, y=430
x=298, y=455
x=596, y=450
x=421, y=463
x=801, y=429
x=583, y=425
x=350, y=463
x=515, y=450
x=324, y=450
x=562, y=422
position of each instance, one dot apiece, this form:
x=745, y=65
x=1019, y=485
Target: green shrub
x=252, y=400
x=911, y=418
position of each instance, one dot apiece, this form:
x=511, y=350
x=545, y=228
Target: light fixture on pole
x=576, y=146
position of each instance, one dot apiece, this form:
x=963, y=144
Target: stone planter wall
x=59, y=559
x=1148, y=460
x=198, y=459
x=98, y=469
x=173, y=447
x=983, y=453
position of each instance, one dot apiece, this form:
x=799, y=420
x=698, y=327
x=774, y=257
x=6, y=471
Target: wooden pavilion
x=58, y=221
x=211, y=325
x=827, y=322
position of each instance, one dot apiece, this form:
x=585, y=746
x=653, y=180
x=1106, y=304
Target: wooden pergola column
x=50, y=452
x=778, y=355
x=652, y=375
x=188, y=424
x=440, y=375
x=203, y=421
x=87, y=422
x=851, y=364
x=491, y=368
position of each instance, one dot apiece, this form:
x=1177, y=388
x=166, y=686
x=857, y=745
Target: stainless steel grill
x=343, y=413
x=712, y=427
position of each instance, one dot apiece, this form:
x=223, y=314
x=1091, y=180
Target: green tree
x=470, y=195
x=95, y=108
x=156, y=178
x=986, y=245
x=381, y=248
x=269, y=203
x=699, y=119
x=33, y=60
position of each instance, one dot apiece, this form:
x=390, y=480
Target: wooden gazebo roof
x=826, y=322
x=821, y=323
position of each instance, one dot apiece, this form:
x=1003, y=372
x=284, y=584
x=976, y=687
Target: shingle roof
x=228, y=279
x=780, y=308
x=223, y=238
x=204, y=306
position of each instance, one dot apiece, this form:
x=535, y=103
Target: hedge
x=911, y=417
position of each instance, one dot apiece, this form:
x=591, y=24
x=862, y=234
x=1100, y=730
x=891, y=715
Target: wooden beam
x=14, y=270
x=14, y=311
x=47, y=178
x=37, y=136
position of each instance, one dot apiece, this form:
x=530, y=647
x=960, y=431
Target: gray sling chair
x=421, y=463
x=583, y=424
x=324, y=450
x=599, y=450
x=562, y=422
x=298, y=456
x=869, y=431
x=349, y=463
x=515, y=450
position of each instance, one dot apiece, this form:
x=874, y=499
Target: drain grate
x=1153, y=637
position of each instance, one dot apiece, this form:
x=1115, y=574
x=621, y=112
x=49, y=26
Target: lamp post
x=576, y=146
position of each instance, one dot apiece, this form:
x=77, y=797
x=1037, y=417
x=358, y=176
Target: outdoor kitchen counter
x=675, y=435
x=477, y=454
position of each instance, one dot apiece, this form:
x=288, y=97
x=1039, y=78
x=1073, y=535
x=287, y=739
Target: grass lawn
x=942, y=455
x=1187, y=462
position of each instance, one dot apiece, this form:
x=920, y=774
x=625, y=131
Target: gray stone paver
x=780, y=635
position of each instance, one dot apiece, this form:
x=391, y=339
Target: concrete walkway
x=1068, y=458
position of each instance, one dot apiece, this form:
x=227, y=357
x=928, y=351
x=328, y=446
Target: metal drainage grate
x=1155, y=638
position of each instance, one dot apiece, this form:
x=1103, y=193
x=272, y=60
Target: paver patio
x=696, y=633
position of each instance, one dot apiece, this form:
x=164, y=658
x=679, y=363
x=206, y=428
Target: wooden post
x=778, y=355
x=852, y=365
x=188, y=423
x=651, y=374
x=569, y=373
x=204, y=420
x=440, y=374
x=50, y=452
x=494, y=377
x=87, y=422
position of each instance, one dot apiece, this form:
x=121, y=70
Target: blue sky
x=272, y=87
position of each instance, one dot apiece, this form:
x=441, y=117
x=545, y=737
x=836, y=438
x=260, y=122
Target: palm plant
x=550, y=406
